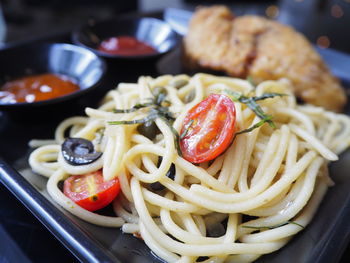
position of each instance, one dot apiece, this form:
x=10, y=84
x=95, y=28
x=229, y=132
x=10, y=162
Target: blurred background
x=325, y=23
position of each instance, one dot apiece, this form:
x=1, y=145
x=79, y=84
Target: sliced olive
x=157, y=186
x=216, y=230
x=79, y=151
x=148, y=129
x=179, y=83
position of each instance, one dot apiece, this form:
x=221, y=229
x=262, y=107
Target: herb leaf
x=134, y=108
x=256, y=125
x=269, y=96
x=158, y=108
x=150, y=117
x=275, y=226
x=255, y=107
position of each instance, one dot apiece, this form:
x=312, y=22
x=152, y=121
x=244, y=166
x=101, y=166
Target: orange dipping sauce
x=36, y=88
x=126, y=46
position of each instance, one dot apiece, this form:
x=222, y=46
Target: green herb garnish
x=269, y=96
x=150, y=117
x=251, y=103
x=256, y=125
x=158, y=107
x=275, y=226
x=134, y=108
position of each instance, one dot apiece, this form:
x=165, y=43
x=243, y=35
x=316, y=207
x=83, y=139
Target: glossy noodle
x=249, y=201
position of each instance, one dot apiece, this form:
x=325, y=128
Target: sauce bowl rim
x=81, y=91
x=80, y=30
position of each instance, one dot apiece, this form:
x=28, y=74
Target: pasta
x=247, y=202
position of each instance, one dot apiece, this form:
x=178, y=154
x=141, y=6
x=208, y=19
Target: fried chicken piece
x=262, y=49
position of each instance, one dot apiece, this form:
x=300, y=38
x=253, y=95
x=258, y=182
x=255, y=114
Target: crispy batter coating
x=262, y=49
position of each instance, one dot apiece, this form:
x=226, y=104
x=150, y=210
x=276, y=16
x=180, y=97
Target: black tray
x=322, y=241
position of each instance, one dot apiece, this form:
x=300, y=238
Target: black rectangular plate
x=322, y=241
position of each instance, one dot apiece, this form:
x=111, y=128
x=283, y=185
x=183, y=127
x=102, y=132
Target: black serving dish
x=323, y=241
x=78, y=63
x=152, y=31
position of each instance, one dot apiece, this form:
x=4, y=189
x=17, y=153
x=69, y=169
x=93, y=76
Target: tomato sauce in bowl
x=37, y=88
x=125, y=46
x=127, y=38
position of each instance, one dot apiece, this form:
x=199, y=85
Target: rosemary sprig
x=158, y=108
x=275, y=226
x=134, y=108
x=256, y=125
x=164, y=111
x=251, y=102
x=150, y=117
x=269, y=96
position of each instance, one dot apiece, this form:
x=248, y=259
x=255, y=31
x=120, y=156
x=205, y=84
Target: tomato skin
x=90, y=191
x=210, y=127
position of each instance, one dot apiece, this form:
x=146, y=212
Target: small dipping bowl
x=151, y=31
x=81, y=65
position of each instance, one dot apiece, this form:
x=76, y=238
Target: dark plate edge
x=338, y=240
x=339, y=63
x=83, y=246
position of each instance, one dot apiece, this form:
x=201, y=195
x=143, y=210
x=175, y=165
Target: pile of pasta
x=247, y=202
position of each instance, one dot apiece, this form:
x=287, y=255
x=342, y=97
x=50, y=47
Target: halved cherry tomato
x=90, y=191
x=208, y=129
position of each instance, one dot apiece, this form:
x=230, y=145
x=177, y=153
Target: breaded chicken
x=262, y=49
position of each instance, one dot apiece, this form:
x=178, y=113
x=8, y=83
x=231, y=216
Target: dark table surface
x=22, y=237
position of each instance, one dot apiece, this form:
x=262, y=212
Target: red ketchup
x=36, y=88
x=125, y=46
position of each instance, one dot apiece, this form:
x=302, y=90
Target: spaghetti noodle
x=247, y=202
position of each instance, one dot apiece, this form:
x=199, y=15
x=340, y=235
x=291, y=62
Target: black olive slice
x=148, y=129
x=157, y=186
x=216, y=230
x=79, y=151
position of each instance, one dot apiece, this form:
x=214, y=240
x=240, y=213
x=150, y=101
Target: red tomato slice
x=209, y=128
x=90, y=191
